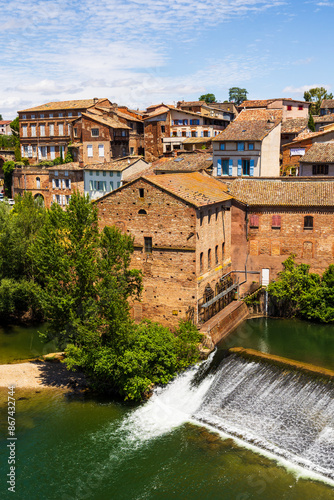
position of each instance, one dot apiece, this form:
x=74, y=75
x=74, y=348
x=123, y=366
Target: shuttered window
x=276, y=222
x=254, y=221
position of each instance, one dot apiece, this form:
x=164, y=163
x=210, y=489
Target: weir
x=274, y=404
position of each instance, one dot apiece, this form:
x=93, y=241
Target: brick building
x=250, y=145
x=5, y=127
x=45, y=130
x=274, y=218
x=181, y=227
x=51, y=184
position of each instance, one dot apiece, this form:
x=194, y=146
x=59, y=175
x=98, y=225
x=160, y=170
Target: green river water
x=82, y=448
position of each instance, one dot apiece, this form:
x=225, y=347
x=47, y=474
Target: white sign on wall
x=297, y=152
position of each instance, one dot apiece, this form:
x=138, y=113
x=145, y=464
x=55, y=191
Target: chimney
x=96, y=100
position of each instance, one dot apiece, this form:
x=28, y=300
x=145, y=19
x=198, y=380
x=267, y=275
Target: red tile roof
x=251, y=125
x=319, y=153
x=74, y=104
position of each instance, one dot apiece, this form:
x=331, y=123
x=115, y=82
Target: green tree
x=15, y=126
x=316, y=96
x=8, y=169
x=1, y=117
x=310, y=123
x=208, y=98
x=237, y=95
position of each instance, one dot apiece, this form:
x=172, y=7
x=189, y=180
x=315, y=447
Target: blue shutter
x=196, y=134
x=251, y=170
x=219, y=166
x=209, y=133
x=239, y=166
x=230, y=166
x=191, y=122
x=202, y=134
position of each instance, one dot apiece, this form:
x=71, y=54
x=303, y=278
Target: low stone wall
x=221, y=325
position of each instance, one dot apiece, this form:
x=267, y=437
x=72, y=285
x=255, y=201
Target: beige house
x=250, y=146
x=290, y=108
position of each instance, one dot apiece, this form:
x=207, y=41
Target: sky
x=142, y=52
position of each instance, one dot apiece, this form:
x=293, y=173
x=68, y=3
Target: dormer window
x=95, y=132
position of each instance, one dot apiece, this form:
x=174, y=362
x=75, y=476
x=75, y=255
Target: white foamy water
x=170, y=406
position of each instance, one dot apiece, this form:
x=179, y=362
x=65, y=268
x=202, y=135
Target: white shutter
x=63, y=182
x=54, y=198
x=89, y=150
x=53, y=185
x=64, y=200
x=52, y=152
x=22, y=151
x=39, y=152
x=30, y=151
x=101, y=150
x=69, y=183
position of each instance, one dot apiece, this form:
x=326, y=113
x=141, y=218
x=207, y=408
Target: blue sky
x=140, y=52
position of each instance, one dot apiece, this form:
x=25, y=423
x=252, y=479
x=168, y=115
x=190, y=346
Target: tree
x=8, y=169
x=310, y=123
x=316, y=96
x=208, y=98
x=237, y=95
x=15, y=126
x=1, y=117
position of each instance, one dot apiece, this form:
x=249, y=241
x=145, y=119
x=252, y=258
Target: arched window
x=201, y=262
x=142, y=212
x=209, y=258
x=216, y=254
x=38, y=183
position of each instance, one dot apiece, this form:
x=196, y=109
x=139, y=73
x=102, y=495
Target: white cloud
x=112, y=48
x=304, y=88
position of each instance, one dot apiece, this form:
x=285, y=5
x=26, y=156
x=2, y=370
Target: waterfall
x=286, y=413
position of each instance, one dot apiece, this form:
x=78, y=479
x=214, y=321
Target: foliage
x=237, y=95
x=310, y=123
x=148, y=355
x=17, y=298
x=1, y=117
x=316, y=96
x=8, y=169
x=7, y=141
x=208, y=98
x=15, y=126
x=57, y=161
x=298, y=292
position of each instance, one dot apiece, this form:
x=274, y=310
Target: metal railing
x=214, y=300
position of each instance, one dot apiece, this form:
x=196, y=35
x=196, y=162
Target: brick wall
x=293, y=161
x=153, y=139
x=26, y=179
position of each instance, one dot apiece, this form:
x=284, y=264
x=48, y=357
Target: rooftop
x=74, y=104
x=117, y=165
x=5, y=122
x=196, y=188
x=284, y=192
x=105, y=120
x=263, y=103
x=324, y=118
x=320, y=153
x=66, y=166
x=190, y=162
x=251, y=125
x=294, y=125
x=327, y=103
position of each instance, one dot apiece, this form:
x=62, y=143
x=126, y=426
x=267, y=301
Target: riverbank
x=39, y=374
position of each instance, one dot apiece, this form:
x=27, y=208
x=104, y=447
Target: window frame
x=148, y=244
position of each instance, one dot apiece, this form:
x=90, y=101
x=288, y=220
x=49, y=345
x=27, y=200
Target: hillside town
x=216, y=195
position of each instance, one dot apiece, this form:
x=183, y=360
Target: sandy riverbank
x=40, y=374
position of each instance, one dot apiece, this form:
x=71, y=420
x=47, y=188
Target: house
x=102, y=178
x=224, y=111
x=274, y=218
x=181, y=228
x=293, y=151
x=98, y=137
x=167, y=127
x=327, y=107
x=134, y=120
x=290, y=108
x=293, y=127
x=190, y=162
x=323, y=121
x=50, y=184
x=5, y=127
x=250, y=145
x=45, y=130
x=318, y=160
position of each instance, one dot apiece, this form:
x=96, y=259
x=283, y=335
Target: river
x=82, y=448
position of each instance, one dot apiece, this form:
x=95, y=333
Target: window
x=174, y=134
x=32, y=117
x=142, y=212
x=41, y=115
x=254, y=221
x=185, y=122
x=104, y=173
x=67, y=183
x=101, y=150
x=24, y=131
x=276, y=222
x=209, y=258
x=223, y=251
x=51, y=129
x=163, y=129
x=184, y=133
x=123, y=133
x=95, y=132
x=194, y=122
x=300, y=108
x=206, y=133
x=33, y=130
x=38, y=183
x=26, y=151
x=245, y=167
x=67, y=198
x=225, y=167
x=56, y=172
x=43, y=151
x=148, y=244
x=193, y=133
x=200, y=218
x=222, y=146
x=141, y=193
x=209, y=216
x=42, y=130
x=201, y=262
x=216, y=254
x=308, y=222
x=97, y=173
x=60, y=115
x=75, y=132
x=241, y=146
x=69, y=113
x=60, y=129
x=289, y=107
x=251, y=146
x=66, y=172
x=50, y=115
x=118, y=174
x=319, y=169
x=89, y=151
x=132, y=151
x=24, y=117
x=111, y=185
x=90, y=172
x=79, y=113
x=118, y=184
